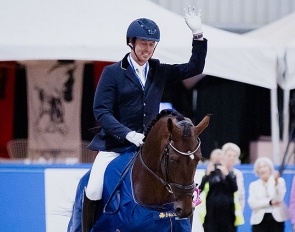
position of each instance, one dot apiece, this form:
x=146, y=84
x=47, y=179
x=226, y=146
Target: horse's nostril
x=178, y=212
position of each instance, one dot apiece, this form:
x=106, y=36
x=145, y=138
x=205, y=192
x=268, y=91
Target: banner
x=54, y=110
x=7, y=90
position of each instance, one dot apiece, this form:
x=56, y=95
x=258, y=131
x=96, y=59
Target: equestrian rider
x=128, y=96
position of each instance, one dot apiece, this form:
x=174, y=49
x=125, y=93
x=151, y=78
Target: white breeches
x=95, y=183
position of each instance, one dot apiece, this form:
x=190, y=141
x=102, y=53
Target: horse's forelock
x=187, y=133
x=179, y=117
x=160, y=115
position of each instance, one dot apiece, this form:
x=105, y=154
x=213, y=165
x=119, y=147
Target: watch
x=198, y=36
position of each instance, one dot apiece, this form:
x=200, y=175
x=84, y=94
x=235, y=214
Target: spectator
x=218, y=187
x=266, y=198
x=292, y=204
x=231, y=153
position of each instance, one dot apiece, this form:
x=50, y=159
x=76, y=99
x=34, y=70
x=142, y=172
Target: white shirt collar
x=136, y=65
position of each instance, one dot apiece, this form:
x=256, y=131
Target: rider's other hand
x=135, y=138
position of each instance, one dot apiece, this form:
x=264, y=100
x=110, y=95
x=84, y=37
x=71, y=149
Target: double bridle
x=168, y=184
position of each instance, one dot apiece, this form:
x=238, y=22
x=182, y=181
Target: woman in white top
x=266, y=198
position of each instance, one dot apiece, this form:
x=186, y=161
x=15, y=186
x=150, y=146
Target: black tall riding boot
x=90, y=213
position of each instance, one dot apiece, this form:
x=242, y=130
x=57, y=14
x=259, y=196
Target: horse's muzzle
x=183, y=210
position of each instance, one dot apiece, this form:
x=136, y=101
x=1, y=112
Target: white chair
x=17, y=148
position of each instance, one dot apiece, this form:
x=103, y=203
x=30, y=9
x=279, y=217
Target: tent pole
x=275, y=126
x=286, y=117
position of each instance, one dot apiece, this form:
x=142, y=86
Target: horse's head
x=165, y=169
x=180, y=159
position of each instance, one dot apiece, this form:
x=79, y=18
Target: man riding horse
x=128, y=96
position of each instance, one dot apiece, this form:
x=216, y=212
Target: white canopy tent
x=290, y=61
x=281, y=35
x=96, y=29
x=289, y=74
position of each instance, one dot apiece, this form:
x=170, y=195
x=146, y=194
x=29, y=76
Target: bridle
x=165, y=182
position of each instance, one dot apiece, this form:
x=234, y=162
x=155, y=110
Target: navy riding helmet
x=143, y=29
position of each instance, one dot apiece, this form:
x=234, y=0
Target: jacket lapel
x=129, y=73
x=149, y=79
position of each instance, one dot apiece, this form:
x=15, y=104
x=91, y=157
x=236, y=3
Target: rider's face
x=144, y=50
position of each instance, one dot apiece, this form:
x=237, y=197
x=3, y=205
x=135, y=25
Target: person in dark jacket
x=217, y=189
x=128, y=97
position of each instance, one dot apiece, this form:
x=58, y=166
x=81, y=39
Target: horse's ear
x=202, y=125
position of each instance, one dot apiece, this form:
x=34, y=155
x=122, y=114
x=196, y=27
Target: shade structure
x=96, y=30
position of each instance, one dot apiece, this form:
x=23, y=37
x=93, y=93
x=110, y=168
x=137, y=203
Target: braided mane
x=163, y=113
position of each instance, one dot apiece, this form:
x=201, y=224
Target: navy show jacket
x=121, y=104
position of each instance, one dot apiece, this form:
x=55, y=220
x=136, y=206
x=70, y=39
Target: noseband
x=168, y=184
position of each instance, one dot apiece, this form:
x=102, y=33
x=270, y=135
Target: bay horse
x=151, y=190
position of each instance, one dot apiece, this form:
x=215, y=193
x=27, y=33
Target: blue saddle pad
x=123, y=214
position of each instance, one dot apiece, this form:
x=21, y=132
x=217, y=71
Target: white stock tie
x=140, y=73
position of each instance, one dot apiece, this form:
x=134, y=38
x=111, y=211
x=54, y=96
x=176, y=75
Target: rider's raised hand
x=193, y=20
x=135, y=138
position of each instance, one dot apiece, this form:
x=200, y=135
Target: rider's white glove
x=193, y=20
x=135, y=138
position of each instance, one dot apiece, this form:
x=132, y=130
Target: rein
x=167, y=184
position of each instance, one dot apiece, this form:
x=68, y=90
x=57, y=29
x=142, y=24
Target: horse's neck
x=148, y=189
